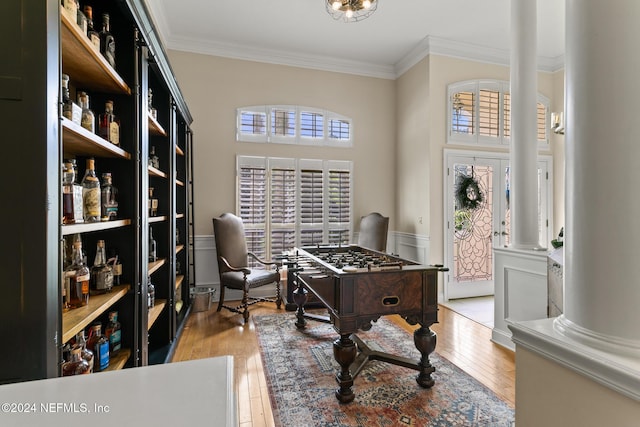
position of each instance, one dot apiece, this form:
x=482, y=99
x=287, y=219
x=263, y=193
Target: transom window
x=479, y=112
x=286, y=124
x=285, y=203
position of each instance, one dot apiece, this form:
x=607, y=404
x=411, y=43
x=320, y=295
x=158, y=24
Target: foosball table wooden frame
x=357, y=286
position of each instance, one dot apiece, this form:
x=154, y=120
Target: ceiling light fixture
x=351, y=10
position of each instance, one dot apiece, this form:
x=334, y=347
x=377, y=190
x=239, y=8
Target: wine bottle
x=91, y=193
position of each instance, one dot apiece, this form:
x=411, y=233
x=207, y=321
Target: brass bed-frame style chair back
x=233, y=257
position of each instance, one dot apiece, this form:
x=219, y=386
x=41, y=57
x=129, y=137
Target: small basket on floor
x=201, y=298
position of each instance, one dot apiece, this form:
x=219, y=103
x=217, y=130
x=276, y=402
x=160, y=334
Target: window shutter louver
x=283, y=122
x=462, y=115
x=252, y=183
x=283, y=210
x=311, y=124
x=542, y=122
x=253, y=123
x=489, y=113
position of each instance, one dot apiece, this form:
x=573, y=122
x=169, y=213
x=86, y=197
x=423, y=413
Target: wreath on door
x=468, y=194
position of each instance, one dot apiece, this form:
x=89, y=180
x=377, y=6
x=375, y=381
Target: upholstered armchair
x=373, y=232
x=233, y=257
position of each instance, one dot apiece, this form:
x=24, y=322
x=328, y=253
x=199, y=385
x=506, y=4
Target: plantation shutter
x=339, y=204
x=283, y=205
x=311, y=202
x=541, y=117
x=252, y=203
x=462, y=114
x=489, y=113
x=542, y=122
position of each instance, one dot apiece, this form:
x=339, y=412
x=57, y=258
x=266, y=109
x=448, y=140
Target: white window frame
x=270, y=163
x=475, y=139
x=326, y=140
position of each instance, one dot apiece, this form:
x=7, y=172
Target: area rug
x=300, y=371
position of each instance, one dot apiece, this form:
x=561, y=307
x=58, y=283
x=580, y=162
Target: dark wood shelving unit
x=48, y=44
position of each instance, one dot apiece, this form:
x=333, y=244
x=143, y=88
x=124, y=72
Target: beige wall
x=413, y=194
x=399, y=129
x=214, y=87
x=420, y=154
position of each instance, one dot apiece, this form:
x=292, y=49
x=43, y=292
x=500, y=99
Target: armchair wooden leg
x=221, y=300
x=278, y=295
x=245, y=305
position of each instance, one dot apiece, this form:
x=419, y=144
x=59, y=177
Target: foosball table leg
x=344, y=351
x=425, y=341
x=300, y=298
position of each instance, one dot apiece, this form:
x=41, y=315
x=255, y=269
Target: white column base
x=520, y=278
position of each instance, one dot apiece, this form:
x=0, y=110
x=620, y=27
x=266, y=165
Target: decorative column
x=524, y=141
x=602, y=238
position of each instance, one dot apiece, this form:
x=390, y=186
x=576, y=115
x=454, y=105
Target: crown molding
x=439, y=46
x=427, y=46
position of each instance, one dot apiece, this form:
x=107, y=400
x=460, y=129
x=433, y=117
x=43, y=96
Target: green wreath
x=468, y=194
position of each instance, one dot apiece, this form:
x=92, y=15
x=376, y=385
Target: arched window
x=288, y=124
x=479, y=114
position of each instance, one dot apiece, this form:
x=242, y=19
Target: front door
x=478, y=220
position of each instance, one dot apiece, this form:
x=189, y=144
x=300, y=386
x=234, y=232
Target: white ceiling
x=398, y=34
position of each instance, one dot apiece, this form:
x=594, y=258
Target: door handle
x=495, y=233
x=504, y=233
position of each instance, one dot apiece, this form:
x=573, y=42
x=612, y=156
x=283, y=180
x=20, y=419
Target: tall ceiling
x=400, y=32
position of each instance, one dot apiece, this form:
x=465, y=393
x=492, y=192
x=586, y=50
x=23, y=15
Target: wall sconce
x=557, y=123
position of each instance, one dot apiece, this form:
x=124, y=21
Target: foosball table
x=357, y=286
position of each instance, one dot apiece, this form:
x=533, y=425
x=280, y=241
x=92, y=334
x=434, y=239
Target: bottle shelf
x=179, y=151
x=160, y=218
x=118, y=360
x=68, y=229
x=179, y=248
x=154, y=266
x=156, y=172
x=179, y=280
x=155, y=128
x=179, y=183
x=179, y=216
x=80, y=141
x=84, y=63
x=74, y=321
x=154, y=312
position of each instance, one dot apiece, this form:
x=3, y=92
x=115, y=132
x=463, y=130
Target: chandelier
x=351, y=10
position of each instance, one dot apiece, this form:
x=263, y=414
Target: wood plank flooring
x=462, y=341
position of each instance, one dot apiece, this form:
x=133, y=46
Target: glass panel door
x=477, y=220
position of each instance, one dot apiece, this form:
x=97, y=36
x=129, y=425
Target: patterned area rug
x=300, y=371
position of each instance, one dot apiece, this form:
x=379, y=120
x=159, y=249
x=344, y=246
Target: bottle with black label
x=107, y=42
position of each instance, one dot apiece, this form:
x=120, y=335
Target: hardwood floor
x=462, y=341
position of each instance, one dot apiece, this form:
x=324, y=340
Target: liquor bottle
x=71, y=194
x=85, y=353
x=152, y=111
x=99, y=344
x=91, y=32
x=81, y=20
x=154, y=161
x=107, y=42
x=116, y=266
x=109, y=204
x=109, y=124
x=153, y=255
x=68, y=178
x=88, y=120
x=76, y=364
x=77, y=275
x=91, y=193
x=101, y=272
x=153, y=203
x=71, y=9
x=151, y=293
x=113, y=333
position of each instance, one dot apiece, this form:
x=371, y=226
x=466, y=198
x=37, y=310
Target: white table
x=196, y=393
